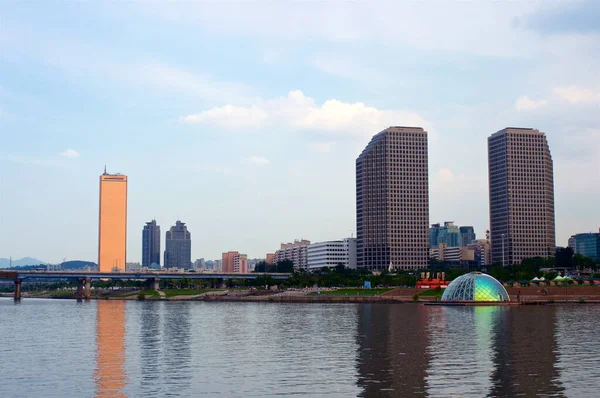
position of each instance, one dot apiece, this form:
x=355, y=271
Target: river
x=58, y=348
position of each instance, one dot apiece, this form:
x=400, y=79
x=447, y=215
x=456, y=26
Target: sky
x=244, y=119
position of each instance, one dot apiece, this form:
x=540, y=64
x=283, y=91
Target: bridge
x=84, y=278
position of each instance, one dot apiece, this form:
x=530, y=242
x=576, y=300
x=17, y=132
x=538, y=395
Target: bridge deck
x=132, y=275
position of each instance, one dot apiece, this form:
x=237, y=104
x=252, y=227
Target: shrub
x=141, y=296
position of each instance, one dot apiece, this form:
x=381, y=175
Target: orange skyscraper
x=112, y=225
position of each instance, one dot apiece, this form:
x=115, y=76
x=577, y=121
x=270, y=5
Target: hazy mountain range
x=5, y=262
x=28, y=263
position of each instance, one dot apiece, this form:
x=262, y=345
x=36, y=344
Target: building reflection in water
x=525, y=348
x=177, y=371
x=493, y=351
x=150, y=343
x=408, y=350
x=393, y=355
x=110, y=349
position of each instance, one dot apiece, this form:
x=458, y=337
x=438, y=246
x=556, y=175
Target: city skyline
x=257, y=123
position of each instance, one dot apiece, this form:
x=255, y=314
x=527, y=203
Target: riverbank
x=527, y=296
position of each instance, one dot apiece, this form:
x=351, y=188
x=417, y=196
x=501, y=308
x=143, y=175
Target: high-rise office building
x=151, y=244
x=392, y=200
x=467, y=235
x=112, y=223
x=450, y=234
x=178, y=247
x=586, y=244
x=521, y=190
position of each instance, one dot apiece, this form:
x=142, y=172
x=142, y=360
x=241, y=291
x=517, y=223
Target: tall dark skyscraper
x=151, y=244
x=392, y=200
x=178, y=247
x=521, y=182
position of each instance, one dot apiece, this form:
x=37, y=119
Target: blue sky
x=244, y=119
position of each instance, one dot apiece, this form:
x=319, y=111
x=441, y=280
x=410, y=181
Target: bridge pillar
x=154, y=284
x=222, y=283
x=79, y=293
x=88, y=288
x=17, y=289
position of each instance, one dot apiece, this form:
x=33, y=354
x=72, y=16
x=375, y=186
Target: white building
x=132, y=267
x=332, y=253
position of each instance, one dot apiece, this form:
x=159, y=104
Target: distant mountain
x=66, y=266
x=78, y=264
x=5, y=262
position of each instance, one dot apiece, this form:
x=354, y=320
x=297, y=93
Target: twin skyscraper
x=392, y=198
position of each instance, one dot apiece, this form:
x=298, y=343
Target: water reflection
x=150, y=346
x=160, y=349
x=525, y=353
x=110, y=349
x=393, y=353
x=457, y=351
x=177, y=353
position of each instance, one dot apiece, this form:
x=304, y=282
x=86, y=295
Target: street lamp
x=502, y=249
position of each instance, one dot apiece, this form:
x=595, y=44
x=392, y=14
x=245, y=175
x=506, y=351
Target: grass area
x=62, y=293
x=352, y=292
x=432, y=293
x=148, y=293
x=185, y=292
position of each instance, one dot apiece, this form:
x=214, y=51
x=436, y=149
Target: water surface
x=57, y=348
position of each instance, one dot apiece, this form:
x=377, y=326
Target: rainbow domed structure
x=475, y=286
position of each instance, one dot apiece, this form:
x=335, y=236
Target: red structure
x=430, y=280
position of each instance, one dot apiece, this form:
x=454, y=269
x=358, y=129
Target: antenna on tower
x=105, y=169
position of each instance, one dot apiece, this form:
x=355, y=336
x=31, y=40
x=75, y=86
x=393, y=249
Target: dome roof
x=475, y=286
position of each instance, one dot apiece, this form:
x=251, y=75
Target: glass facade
x=587, y=245
x=475, y=286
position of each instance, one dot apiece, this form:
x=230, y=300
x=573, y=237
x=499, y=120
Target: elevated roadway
x=153, y=277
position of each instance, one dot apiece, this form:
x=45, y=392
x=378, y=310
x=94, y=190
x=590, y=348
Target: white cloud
x=211, y=168
x=69, y=153
x=86, y=64
x=323, y=147
x=576, y=95
x=298, y=111
x=527, y=104
x=229, y=116
x=445, y=175
x=257, y=161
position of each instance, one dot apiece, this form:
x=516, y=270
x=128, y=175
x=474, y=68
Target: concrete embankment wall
x=309, y=299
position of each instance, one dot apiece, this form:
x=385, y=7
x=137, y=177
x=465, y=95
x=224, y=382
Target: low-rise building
x=483, y=252
x=132, y=267
x=332, y=253
x=443, y=252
